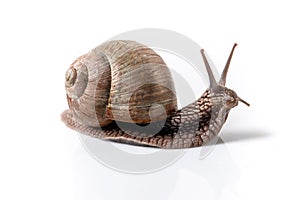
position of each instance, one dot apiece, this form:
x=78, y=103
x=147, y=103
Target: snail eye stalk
x=225, y=71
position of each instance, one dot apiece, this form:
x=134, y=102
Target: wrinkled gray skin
x=191, y=126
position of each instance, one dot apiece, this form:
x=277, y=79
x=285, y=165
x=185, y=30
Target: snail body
x=123, y=91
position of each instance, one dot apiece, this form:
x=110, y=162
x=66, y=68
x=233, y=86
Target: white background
x=42, y=159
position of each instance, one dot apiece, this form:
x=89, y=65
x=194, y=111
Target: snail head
x=222, y=94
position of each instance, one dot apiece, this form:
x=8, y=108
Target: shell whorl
x=120, y=80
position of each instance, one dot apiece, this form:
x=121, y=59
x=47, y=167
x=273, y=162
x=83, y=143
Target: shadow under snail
x=122, y=91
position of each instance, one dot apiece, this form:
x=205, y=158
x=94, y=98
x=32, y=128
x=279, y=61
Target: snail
x=122, y=91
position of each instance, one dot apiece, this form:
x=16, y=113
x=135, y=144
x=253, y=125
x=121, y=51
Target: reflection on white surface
x=207, y=178
x=134, y=160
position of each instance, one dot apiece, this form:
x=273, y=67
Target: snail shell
x=123, y=81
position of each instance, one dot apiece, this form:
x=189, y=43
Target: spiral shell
x=122, y=81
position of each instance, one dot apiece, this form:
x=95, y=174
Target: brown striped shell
x=123, y=81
